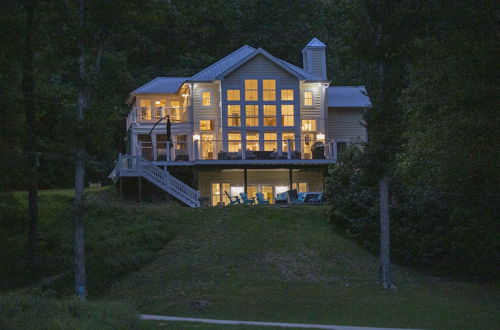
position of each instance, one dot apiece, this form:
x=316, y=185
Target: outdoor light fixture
x=320, y=136
x=196, y=137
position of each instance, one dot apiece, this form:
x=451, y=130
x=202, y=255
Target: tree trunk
x=28, y=86
x=385, y=261
x=80, y=285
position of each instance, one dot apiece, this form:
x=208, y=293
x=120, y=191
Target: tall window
x=145, y=109
x=175, y=112
x=285, y=137
x=206, y=99
x=233, y=115
x=287, y=115
x=308, y=125
x=234, y=141
x=181, y=142
x=206, y=125
x=300, y=186
x=159, y=106
x=287, y=94
x=253, y=141
x=270, y=141
x=251, y=90
x=219, y=196
x=252, y=114
x=308, y=98
x=269, y=115
x=207, y=146
x=269, y=90
x=233, y=94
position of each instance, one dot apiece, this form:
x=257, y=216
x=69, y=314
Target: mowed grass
x=250, y=263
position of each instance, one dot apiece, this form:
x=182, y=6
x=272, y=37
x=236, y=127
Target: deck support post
x=290, y=177
x=245, y=180
x=121, y=186
x=139, y=188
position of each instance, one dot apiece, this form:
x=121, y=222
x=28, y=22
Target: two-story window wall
x=262, y=113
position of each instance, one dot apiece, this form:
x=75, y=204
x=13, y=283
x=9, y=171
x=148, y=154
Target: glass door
x=207, y=146
x=267, y=191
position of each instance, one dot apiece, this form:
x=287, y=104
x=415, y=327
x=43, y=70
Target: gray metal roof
x=162, y=85
x=347, y=96
x=212, y=71
x=315, y=43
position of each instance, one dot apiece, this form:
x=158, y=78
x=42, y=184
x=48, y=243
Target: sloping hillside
x=244, y=263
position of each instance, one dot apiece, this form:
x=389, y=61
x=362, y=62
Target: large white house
x=250, y=122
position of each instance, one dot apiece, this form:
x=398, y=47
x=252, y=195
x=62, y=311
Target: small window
x=251, y=90
x=234, y=141
x=181, y=142
x=269, y=90
x=206, y=125
x=233, y=94
x=309, y=125
x=206, y=99
x=252, y=115
x=253, y=141
x=308, y=98
x=269, y=115
x=233, y=115
x=287, y=94
x=287, y=116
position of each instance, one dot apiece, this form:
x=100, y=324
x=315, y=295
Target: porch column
x=290, y=177
x=154, y=146
x=245, y=179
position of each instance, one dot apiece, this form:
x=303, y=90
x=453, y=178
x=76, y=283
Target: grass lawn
x=251, y=263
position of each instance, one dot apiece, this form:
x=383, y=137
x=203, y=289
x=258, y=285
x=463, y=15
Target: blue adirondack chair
x=233, y=200
x=318, y=199
x=246, y=200
x=261, y=200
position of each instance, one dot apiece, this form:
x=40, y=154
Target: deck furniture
x=232, y=200
x=246, y=200
x=281, y=198
x=316, y=199
x=261, y=200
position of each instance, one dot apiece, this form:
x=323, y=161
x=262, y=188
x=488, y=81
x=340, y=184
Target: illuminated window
x=269, y=115
x=253, y=141
x=206, y=125
x=233, y=115
x=269, y=89
x=181, y=142
x=206, y=99
x=287, y=115
x=234, y=142
x=270, y=141
x=207, y=146
x=309, y=125
x=287, y=94
x=308, y=98
x=219, y=196
x=300, y=186
x=251, y=90
x=252, y=113
x=233, y=94
x=175, y=111
x=285, y=136
x=145, y=106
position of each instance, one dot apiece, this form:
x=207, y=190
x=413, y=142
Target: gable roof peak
x=315, y=43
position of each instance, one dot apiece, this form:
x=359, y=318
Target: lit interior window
x=285, y=137
x=233, y=94
x=252, y=115
x=234, y=141
x=206, y=125
x=308, y=125
x=269, y=89
x=270, y=143
x=251, y=90
x=287, y=115
x=253, y=141
x=233, y=115
x=269, y=115
x=287, y=94
x=206, y=99
x=308, y=98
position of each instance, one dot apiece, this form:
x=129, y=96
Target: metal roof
x=162, y=85
x=315, y=43
x=347, y=96
x=212, y=71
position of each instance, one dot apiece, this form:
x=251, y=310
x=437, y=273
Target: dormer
x=314, y=58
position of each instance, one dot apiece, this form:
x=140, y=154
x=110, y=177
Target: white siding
x=315, y=109
x=345, y=124
x=207, y=113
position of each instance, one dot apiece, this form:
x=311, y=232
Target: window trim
x=304, y=98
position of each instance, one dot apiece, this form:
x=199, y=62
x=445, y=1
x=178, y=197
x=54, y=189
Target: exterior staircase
x=136, y=166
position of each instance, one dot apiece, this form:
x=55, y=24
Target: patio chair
x=261, y=200
x=233, y=200
x=318, y=199
x=246, y=200
x=281, y=198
